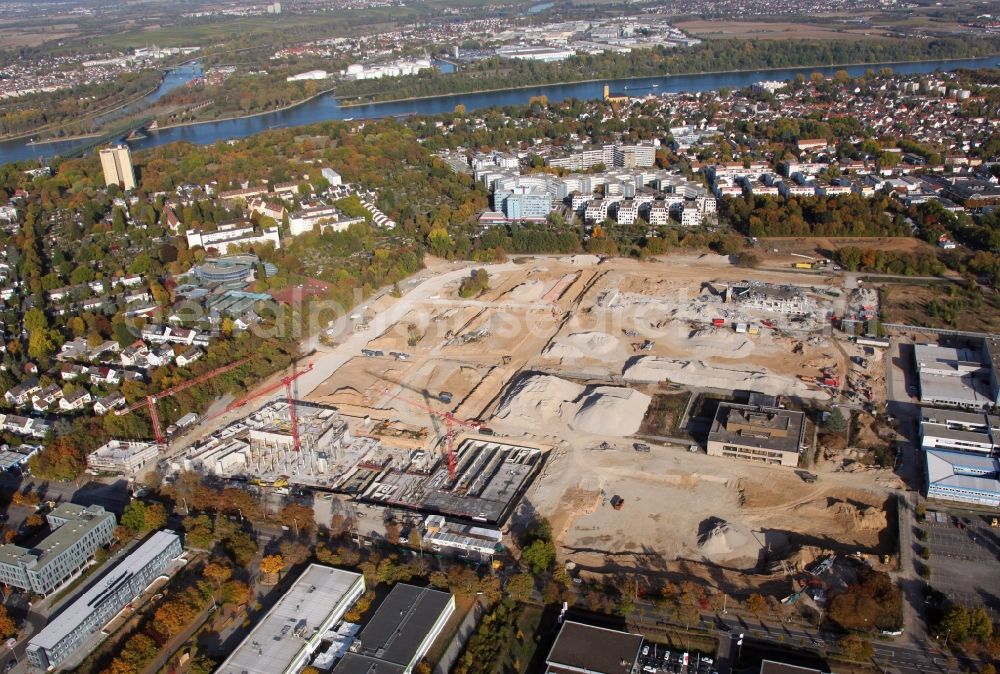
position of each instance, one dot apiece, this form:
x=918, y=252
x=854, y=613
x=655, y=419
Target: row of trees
x=889, y=261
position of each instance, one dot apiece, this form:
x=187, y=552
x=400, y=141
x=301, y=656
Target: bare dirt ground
x=673, y=498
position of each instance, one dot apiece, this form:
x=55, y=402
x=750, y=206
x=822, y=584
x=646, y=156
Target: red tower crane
x=450, y=421
x=285, y=382
x=151, y=400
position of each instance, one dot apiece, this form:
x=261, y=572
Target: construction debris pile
x=787, y=308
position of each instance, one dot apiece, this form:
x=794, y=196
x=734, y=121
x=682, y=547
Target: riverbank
x=62, y=139
x=116, y=106
x=344, y=101
x=231, y=118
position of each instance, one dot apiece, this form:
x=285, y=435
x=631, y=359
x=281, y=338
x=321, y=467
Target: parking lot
x=965, y=557
x=655, y=658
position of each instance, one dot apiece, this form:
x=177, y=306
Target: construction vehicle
x=995, y=522
x=149, y=402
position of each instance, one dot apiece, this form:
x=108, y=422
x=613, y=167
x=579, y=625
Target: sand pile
x=611, y=410
x=697, y=373
x=722, y=541
x=868, y=518
x=584, y=345
x=538, y=400
x=543, y=403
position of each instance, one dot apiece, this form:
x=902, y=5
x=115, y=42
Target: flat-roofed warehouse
x=400, y=633
x=954, y=376
x=285, y=639
x=962, y=431
x=964, y=477
x=758, y=433
x=103, y=600
x=596, y=650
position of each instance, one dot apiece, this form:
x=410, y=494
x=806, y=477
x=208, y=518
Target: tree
x=155, y=517
x=539, y=556
x=236, y=592
x=520, y=586
x=856, y=648
x=297, y=517
x=134, y=517
x=218, y=572
x=836, y=421
x=756, y=604
x=241, y=547
x=272, y=564
x=440, y=242
x=872, y=603
x=7, y=626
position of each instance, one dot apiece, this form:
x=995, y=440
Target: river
x=326, y=107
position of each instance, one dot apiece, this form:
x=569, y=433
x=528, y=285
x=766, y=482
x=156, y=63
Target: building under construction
x=261, y=446
x=372, y=461
x=490, y=476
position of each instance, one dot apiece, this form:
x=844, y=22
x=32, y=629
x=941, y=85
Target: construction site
x=537, y=396
x=480, y=479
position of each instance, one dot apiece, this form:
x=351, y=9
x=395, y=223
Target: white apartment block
x=627, y=212
x=231, y=236
x=691, y=216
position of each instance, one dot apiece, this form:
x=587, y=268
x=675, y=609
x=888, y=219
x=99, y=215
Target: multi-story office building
x=76, y=533
x=117, y=164
x=627, y=212
x=103, y=600
x=400, y=633
x=232, y=235
x=964, y=477
x=769, y=435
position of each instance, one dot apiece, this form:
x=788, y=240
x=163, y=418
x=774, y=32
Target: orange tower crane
x=283, y=382
x=150, y=401
x=450, y=421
